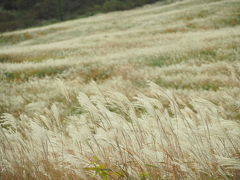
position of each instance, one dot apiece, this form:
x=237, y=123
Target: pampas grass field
x=149, y=93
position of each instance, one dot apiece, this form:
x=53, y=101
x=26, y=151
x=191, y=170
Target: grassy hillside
x=149, y=93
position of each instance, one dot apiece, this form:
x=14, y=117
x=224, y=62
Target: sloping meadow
x=150, y=93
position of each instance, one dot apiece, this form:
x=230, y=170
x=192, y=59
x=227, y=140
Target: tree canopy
x=16, y=14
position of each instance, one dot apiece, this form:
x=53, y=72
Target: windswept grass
x=157, y=142
x=33, y=73
x=13, y=38
x=76, y=101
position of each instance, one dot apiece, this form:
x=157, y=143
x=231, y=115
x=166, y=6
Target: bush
x=112, y=5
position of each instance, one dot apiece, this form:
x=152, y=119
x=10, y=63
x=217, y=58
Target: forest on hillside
x=17, y=14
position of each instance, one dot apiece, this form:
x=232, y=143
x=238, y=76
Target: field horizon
x=148, y=93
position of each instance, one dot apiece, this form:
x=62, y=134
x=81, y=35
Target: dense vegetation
x=151, y=93
x=15, y=14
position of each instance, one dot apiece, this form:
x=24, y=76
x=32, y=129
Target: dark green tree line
x=16, y=14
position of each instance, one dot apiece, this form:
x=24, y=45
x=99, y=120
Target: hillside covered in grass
x=149, y=93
